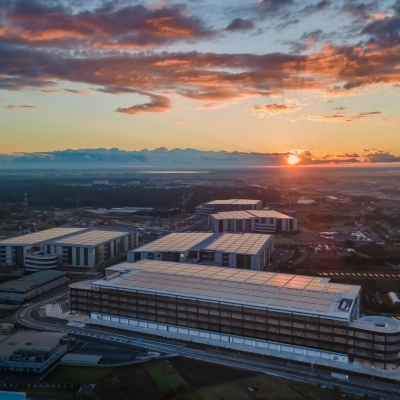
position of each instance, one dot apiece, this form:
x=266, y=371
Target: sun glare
x=292, y=159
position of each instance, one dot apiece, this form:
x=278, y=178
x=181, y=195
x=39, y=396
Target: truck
x=339, y=377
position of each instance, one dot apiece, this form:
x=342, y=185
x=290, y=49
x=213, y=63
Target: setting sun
x=292, y=159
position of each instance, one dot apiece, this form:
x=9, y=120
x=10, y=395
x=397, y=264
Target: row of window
x=337, y=336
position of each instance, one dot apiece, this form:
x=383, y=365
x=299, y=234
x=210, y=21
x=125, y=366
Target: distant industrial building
x=22, y=289
x=77, y=247
x=92, y=247
x=235, y=250
x=100, y=182
x=257, y=221
x=245, y=251
x=30, y=351
x=228, y=205
x=261, y=312
x=178, y=247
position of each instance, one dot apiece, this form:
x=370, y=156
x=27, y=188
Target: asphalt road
x=28, y=317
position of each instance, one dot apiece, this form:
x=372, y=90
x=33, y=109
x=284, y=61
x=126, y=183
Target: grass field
x=66, y=373
x=165, y=375
x=186, y=379
x=269, y=388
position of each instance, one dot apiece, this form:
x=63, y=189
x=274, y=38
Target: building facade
x=258, y=221
x=304, y=315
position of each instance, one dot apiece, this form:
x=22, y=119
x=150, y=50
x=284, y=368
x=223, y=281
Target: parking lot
x=110, y=354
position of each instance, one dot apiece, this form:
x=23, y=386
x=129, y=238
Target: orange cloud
x=276, y=108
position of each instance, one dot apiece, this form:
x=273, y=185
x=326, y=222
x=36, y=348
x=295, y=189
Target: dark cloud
x=110, y=26
x=381, y=157
x=318, y=7
x=284, y=25
x=366, y=114
x=341, y=108
x=347, y=155
x=78, y=91
x=276, y=108
x=315, y=35
x=157, y=104
x=385, y=32
x=273, y=6
x=239, y=24
x=341, y=117
x=358, y=11
x=308, y=39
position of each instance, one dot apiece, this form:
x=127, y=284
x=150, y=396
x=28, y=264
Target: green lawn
x=67, y=373
x=271, y=388
x=164, y=374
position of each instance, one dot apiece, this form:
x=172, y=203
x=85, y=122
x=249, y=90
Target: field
x=267, y=388
x=165, y=375
x=186, y=379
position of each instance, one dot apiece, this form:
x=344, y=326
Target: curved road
x=29, y=317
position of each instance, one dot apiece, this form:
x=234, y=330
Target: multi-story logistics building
x=78, y=247
x=267, y=313
x=22, y=289
x=235, y=250
x=228, y=205
x=258, y=221
x=28, y=351
x=92, y=247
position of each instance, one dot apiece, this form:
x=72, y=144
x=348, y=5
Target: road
x=29, y=317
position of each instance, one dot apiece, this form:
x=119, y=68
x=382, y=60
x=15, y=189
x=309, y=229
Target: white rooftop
x=274, y=291
x=183, y=241
x=93, y=237
x=248, y=214
x=234, y=201
x=40, y=237
x=247, y=243
x=30, y=339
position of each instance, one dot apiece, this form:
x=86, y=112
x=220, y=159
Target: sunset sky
x=320, y=78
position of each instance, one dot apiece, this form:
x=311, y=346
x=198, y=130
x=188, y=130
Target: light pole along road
x=28, y=317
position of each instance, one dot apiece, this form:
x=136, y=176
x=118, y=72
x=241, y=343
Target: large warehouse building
x=228, y=205
x=235, y=250
x=77, y=247
x=260, y=311
x=22, y=289
x=258, y=221
x=178, y=247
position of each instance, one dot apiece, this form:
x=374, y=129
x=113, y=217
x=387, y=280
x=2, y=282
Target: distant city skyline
x=317, y=80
